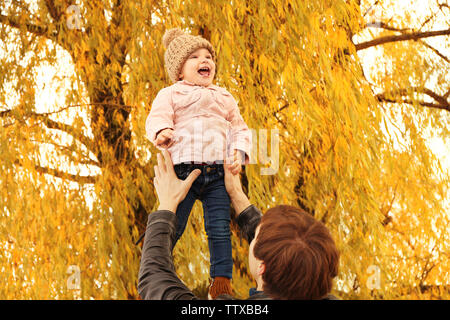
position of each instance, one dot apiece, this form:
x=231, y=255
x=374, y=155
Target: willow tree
x=412, y=88
x=76, y=178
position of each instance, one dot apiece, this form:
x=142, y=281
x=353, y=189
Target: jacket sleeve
x=161, y=115
x=240, y=135
x=157, y=277
x=247, y=222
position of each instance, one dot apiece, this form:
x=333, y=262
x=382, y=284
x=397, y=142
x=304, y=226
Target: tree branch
x=402, y=37
x=54, y=13
x=442, y=102
x=435, y=51
x=387, y=210
x=66, y=176
x=381, y=97
x=62, y=175
x=382, y=25
x=30, y=27
x=447, y=94
x=370, y=8
x=432, y=94
x=66, y=151
x=426, y=270
x=51, y=124
x=5, y=113
x=444, y=5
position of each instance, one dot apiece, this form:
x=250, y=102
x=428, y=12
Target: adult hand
x=234, y=188
x=170, y=190
x=232, y=179
x=236, y=162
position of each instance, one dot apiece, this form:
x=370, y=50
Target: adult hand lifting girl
x=170, y=190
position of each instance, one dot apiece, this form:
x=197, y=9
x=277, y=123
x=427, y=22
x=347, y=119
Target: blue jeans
x=209, y=188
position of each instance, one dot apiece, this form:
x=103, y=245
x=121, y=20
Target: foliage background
x=76, y=183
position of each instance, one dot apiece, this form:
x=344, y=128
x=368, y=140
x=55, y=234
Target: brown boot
x=219, y=285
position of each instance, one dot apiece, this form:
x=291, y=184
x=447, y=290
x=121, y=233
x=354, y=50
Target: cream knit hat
x=178, y=48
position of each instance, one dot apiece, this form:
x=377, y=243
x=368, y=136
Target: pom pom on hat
x=171, y=34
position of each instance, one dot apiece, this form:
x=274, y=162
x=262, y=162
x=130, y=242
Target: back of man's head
x=299, y=254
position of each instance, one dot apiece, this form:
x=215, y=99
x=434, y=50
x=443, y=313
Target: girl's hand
x=165, y=138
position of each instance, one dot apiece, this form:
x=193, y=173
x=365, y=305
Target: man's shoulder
x=249, y=214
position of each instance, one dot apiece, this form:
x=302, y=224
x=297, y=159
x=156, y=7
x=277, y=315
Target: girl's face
x=199, y=68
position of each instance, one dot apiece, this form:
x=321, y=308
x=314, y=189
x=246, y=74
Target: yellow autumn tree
x=411, y=39
x=76, y=184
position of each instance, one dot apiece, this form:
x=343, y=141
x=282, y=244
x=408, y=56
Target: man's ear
x=261, y=268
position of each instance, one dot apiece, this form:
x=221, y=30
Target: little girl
x=200, y=125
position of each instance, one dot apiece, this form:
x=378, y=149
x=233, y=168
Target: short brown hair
x=299, y=253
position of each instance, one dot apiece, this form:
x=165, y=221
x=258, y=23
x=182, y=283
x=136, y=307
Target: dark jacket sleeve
x=157, y=277
x=247, y=221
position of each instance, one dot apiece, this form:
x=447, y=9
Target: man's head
x=180, y=48
x=293, y=254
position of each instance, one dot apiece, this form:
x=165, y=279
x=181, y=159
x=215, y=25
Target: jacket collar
x=191, y=86
x=257, y=295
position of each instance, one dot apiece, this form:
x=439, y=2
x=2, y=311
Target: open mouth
x=204, y=71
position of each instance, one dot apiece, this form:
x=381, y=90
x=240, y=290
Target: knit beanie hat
x=179, y=46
